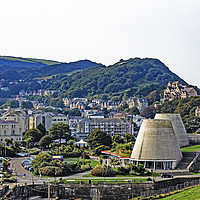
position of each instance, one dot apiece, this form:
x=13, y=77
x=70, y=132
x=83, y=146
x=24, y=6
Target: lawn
x=190, y=148
x=154, y=174
x=191, y=194
x=107, y=181
x=92, y=163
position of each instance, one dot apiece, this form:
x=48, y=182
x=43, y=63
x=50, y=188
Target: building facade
x=110, y=126
x=40, y=118
x=140, y=103
x=10, y=130
x=177, y=90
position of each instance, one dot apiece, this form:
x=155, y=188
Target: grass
x=155, y=174
x=190, y=148
x=92, y=163
x=51, y=76
x=107, y=181
x=191, y=194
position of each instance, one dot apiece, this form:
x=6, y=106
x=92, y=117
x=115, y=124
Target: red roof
x=114, y=154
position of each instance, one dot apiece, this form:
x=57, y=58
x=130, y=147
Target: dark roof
x=7, y=122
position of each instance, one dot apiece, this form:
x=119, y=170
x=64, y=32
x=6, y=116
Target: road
x=29, y=178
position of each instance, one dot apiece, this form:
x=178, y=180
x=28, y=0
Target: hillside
x=17, y=63
x=14, y=68
x=130, y=77
x=186, y=108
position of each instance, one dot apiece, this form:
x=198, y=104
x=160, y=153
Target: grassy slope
x=30, y=60
x=191, y=194
x=190, y=148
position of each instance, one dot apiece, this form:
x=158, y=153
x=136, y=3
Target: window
x=5, y=132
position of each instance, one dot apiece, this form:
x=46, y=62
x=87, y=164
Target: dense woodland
x=186, y=108
x=130, y=77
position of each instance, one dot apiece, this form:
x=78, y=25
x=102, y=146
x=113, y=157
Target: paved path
x=29, y=178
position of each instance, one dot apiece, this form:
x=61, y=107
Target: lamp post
x=49, y=194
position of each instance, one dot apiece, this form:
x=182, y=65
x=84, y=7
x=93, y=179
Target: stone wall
x=83, y=191
x=173, y=182
x=194, y=139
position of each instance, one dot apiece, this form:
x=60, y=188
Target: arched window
x=13, y=132
x=5, y=132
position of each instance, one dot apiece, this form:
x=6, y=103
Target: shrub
x=198, y=131
x=97, y=151
x=97, y=171
x=51, y=171
x=123, y=170
x=85, y=155
x=103, y=171
x=33, y=151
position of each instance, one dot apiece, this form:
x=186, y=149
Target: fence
x=150, y=193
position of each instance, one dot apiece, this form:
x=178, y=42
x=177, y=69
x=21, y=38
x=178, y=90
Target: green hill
x=15, y=68
x=130, y=77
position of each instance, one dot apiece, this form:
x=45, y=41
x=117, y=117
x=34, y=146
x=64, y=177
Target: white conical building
x=156, y=146
x=178, y=126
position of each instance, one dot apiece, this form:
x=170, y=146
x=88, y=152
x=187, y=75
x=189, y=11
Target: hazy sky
x=104, y=31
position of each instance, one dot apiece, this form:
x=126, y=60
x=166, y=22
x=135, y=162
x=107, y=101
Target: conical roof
x=156, y=140
x=178, y=126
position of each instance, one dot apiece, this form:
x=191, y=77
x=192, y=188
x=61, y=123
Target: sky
x=104, y=31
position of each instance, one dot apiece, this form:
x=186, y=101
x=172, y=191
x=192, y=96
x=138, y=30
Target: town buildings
x=140, y=103
x=177, y=90
x=40, y=118
x=197, y=111
x=109, y=125
x=13, y=123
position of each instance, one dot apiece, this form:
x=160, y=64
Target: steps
x=186, y=160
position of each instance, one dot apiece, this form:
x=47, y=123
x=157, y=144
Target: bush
x=97, y=151
x=51, y=171
x=97, y=171
x=33, y=151
x=123, y=170
x=198, y=131
x=85, y=155
x=10, y=180
x=103, y=171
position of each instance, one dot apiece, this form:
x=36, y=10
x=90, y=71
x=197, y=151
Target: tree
x=134, y=111
x=97, y=138
x=26, y=104
x=16, y=146
x=153, y=97
x=45, y=141
x=13, y=104
x=117, y=138
x=8, y=142
x=42, y=129
x=74, y=112
x=33, y=135
x=192, y=124
x=60, y=131
x=149, y=112
x=129, y=138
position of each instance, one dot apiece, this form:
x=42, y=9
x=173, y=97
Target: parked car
x=25, y=162
x=29, y=159
x=22, y=154
x=166, y=175
x=27, y=166
x=30, y=169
